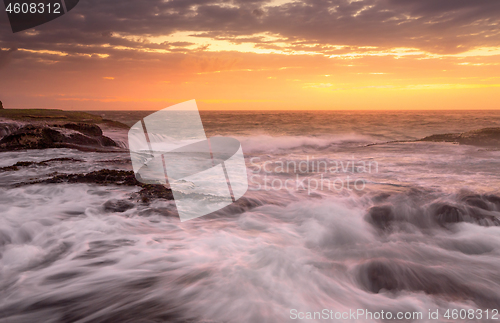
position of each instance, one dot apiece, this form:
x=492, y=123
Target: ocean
x=345, y=213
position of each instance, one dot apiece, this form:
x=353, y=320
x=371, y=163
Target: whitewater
x=421, y=234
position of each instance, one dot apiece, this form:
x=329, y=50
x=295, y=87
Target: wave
x=267, y=143
x=6, y=128
x=88, y=252
x=270, y=144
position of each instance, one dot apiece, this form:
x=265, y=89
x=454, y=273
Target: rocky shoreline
x=486, y=138
x=40, y=116
x=104, y=177
x=42, y=129
x=21, y=130
x=469, y=208
x=81, y=136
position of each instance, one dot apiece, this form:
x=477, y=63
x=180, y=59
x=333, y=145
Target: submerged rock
x=101, y=177
x=41, y=163
x=474, y=211
x=86, y=137
x=428, y=212
x=393, y=275
x=381, y=216
x=37, y=116
x=151, y=191
x=487, y=137
x=119, y=206
x=114, y=177
x=9, y=168
x=445, y=214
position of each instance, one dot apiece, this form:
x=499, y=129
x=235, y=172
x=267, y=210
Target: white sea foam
x=271, y=144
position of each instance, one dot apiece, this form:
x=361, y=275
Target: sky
x=253, y=54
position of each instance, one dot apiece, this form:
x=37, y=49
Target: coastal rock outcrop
x=114, y=177
x=81, y=136
x=487, y=137
x=394, y=275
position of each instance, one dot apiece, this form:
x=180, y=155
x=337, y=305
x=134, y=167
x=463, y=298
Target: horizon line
x=262, y=110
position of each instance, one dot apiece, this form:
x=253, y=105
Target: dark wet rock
x=41, y=163
x=25, y=164
x=9, y=168
x=1, y=105
x=119, y=206
x=484, y=202
x=242, y=205
x=376, y=276
x=151, y=191
x=17, y=165
x=119, y=161
x=482, y=217
x=487, y=137
x=395, y=275
x=494, y=200
x=163, y=211
x=481, y=137
x=101, y=177
x=476, y=201
x=85, y=128
x=4, y=238
x=62, y=159
x=381, y=216
x=44, y=137
x=445, y=214
x=447, y=137
x=113, y=177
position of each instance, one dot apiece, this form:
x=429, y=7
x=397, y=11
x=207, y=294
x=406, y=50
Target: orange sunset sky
x=280, y=54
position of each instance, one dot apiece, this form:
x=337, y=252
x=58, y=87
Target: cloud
x=102, y=26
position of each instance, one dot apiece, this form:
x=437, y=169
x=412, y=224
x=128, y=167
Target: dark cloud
x=439, y=26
